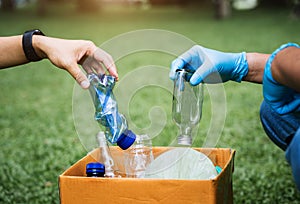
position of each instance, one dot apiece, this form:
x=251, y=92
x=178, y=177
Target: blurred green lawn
x=38, y=140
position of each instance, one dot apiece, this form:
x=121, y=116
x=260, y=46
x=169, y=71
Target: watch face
x=35, y=32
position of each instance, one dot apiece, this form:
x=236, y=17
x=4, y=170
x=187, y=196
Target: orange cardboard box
x=75, y=187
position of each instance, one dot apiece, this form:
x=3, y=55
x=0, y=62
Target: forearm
x=64, y=54
x=286, y=67
x=256, y=66
x=11, y=51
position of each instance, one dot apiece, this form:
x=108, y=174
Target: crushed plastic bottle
x=106, y=111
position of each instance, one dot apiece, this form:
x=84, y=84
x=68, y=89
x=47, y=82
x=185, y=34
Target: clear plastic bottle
x=95, y=169
x=187, y=106
x=111, y=168
x=106, y=111
x=138, y=157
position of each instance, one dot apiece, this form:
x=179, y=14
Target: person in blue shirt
x=65, y=54
x=279, y=74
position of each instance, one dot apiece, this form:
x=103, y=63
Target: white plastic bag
x=181, y=163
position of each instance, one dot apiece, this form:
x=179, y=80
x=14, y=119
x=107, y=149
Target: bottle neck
x=185, y=131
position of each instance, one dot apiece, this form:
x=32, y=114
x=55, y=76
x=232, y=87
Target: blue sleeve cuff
x=242, y=69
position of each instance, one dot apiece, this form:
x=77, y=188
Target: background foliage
x=38, y=140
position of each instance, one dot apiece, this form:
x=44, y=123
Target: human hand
x=68, y=54
x=211, y=66
x=281, y=98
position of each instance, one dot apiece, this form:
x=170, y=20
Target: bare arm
x=256, y=65
x=65, y=54
x=11, y=51
x=286, y=68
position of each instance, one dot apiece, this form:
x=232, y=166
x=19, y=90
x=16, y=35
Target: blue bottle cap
x=126, y=139
x=95, y=167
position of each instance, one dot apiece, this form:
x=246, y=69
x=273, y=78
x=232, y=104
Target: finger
x=183, y=61
x=89, y=64
x=86, y=64
x=78, y=75
x=107, y=60
x=87, y=69
x=176, y=64
x=188, y=55
x=97, y=67
x=201, y=73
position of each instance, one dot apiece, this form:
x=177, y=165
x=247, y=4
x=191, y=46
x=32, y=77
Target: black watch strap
x=27, y=45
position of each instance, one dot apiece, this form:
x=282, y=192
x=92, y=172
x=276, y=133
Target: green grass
x=38, y=140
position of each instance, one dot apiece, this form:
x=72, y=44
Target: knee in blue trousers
x=284, y=131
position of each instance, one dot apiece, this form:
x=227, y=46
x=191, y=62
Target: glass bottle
x=105, y=156
x=187, y=106
x=106, y=110
x=138, y=157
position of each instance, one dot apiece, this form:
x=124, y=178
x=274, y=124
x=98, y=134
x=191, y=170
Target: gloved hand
x=281, y=98
x=211, y=66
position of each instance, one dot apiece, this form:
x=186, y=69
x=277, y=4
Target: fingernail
x=85, y=84
x=193, y=81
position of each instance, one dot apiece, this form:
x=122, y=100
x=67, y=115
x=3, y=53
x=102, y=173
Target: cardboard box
x=75, y=187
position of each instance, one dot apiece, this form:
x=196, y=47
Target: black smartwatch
x=27, y=45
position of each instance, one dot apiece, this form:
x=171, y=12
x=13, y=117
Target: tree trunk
x=222, y=9
x=8, y=5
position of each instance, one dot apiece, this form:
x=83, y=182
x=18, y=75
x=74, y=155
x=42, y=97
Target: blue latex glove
x=282, y=99
x=211, y=66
